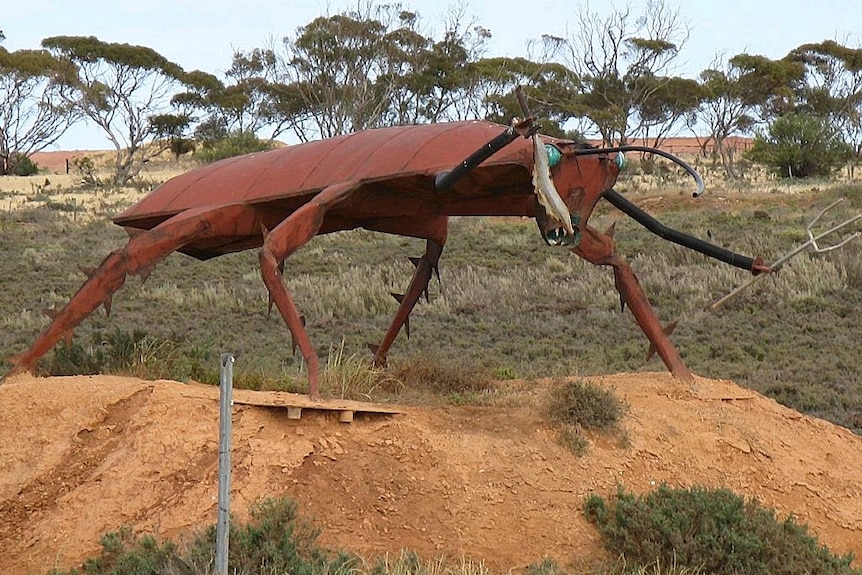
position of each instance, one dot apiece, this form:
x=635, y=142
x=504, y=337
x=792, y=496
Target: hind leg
x=599, y=249
x=139, y=256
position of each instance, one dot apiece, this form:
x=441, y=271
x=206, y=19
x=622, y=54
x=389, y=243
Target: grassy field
x=507, y=304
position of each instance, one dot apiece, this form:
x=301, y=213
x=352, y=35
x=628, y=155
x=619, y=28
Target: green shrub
x=234, y=144
x=126, y=352
x=21, y=165
x=274, y=541
x=123, y=553
x=85, y=168
x=801, y=146
x=577, y=406
x=584, y=404
x=73, y=358
x=715, y=530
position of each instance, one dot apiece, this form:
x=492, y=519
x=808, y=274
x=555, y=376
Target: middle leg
x=283, y=240
x=434, y=231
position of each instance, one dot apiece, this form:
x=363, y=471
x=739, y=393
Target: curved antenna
x=682, y=163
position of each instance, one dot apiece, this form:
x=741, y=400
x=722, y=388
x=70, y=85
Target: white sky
x=203, y=34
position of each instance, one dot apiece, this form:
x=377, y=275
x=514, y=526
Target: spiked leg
x=301, y=226
x=425, y=266
x=599, y=249
x=141, y=253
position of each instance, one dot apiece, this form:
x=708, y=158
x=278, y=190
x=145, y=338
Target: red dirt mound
x=82, y=456
x=55, y=162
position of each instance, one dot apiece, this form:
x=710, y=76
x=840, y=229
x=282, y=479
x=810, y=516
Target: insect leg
x=139, y=256
x=434, y=230
x=296, y=230
x=599, y=249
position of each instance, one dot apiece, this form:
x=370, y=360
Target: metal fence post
x=225, y=404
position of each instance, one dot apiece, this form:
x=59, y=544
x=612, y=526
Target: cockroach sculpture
x=404, y=180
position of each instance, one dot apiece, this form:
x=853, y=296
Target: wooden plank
x=294, y=402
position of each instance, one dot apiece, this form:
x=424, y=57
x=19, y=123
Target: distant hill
x=688, y=146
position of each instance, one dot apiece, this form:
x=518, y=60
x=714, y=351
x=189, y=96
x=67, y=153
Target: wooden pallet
x=295, y=403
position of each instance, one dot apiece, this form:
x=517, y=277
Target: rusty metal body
x=381, y=180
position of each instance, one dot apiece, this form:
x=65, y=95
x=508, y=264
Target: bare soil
x=82, y=456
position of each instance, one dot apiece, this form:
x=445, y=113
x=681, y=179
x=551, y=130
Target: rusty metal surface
x=294, y=171
x=381, y=180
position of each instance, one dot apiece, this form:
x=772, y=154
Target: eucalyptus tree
x=833, y=86
x=623, y=63
x=457, y=92
x=33, y=115
x=334, y=64
x=800, y=145
x=742, y=93
x=118, y=87
x=435, y=77
x=545, y=83
x=249, y=101
x=376, y=66
x=674, y=101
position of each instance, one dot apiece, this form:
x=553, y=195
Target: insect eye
x=621, y=161
x=554, y=155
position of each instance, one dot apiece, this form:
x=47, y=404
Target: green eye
x=621, y=161
x=554, y=155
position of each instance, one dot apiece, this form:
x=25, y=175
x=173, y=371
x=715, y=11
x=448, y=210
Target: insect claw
x=67, y=337
x=293, y=342
x=611, y=229
x=51, y=312
x=144, y=273
x=378, y=361
x=668, y=329
x=618, y=284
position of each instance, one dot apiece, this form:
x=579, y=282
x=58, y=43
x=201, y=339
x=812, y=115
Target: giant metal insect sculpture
x=401, y=180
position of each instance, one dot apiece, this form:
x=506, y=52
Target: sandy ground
x=64, y=192
x=82, y=456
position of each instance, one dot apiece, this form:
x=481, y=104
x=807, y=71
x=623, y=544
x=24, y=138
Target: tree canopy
x=33, y=115
x=615, y=77
x=117, y=87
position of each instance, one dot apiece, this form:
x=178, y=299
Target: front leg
x=599, y=249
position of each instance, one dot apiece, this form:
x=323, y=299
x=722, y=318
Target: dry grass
x=507, y=304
